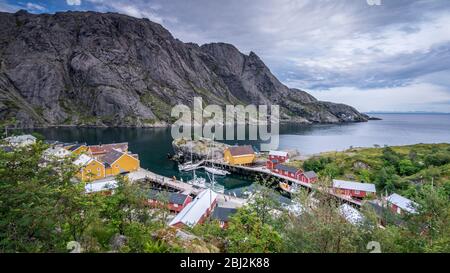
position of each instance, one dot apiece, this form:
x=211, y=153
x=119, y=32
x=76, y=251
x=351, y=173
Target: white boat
x=216, y=171
x=189, y=166
x=198, y=182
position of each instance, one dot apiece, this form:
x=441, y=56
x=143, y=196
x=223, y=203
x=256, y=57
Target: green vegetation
x=402, y=169
x=42, y=210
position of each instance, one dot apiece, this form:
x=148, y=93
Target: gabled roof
x=223, y=214
x=194, y=211
x=286, y=168
x=177, y=198
x=278, y=153
x=56, y=151
x=105, y=148
x=402, y=202
x=310, y=174
x=111, y=157
x=76, y=146
x=83, y=160
x=350, y=185
x=241, y=150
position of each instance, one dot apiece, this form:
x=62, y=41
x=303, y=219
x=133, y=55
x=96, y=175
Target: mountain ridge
x=108, y=69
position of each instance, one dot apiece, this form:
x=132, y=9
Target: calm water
x=153, y=144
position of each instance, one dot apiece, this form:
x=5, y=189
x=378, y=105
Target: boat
x=288, y=188
x=213, y=185
x=216, y=171
x=189, y=166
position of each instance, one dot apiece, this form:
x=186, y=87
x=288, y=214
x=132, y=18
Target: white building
x=196, y=211
x=399, y=203
x=55, y=153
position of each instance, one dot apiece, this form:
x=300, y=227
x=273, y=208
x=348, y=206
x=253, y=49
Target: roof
x=278, y=153
x=100, y=186
x=350, y=185
x=241, y=150
x=76, y=146
x=286, y=168
x=194, y=211
x=310, y=174
x=83, y=160
x=105, y=148
x=111, y=157
x=223, y=214
x=351, y=214
x=56, y=152
x=402, y=202
x=177, y=198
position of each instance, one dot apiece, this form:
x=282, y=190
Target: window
x=175, y=205
x=356, y=192
x=399, y=210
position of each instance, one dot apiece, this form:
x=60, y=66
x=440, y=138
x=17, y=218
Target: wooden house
x=288, y=171
x=400, y=205
x=239, y=155
x=353, y=189
x=279, y=156
x=118, y=162
x=309, y=177
x=223, y=215
x=196, y=211
x=90, y=168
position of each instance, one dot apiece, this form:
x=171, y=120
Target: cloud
x=73, y=2
x=416, y=96
x=35, y=7
x=6, y=7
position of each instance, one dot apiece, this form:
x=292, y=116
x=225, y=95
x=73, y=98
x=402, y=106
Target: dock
x=146, y=175
x=262, y=170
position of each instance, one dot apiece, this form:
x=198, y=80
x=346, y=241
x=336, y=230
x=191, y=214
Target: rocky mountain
x=108, y=69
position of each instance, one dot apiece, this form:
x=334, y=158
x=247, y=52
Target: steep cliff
x=108, y=69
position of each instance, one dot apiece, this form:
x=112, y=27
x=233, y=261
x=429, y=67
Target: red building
x=288, y=171
x=280, y=156
x=271, y=163
x=196, y=211
x=400, y=205
x=175, y=201
x=309, y=177
x=353, y=189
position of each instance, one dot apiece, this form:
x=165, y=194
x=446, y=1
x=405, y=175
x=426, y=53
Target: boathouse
x=353, y=189
x=196, y=211
x=400, y=205
x=239, y=155
x=288, y=171
x=309, y=177
x=271, y=163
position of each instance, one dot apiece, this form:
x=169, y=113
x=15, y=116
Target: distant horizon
x=408, y=112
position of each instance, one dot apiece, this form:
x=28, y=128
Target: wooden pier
x=264, y=172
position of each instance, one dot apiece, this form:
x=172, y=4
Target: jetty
x=143, y=175
x=265, y=172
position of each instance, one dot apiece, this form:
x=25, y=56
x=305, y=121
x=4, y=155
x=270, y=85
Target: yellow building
x=90, y=168
x=117, y=162
x=78, y=148
x=239, y=155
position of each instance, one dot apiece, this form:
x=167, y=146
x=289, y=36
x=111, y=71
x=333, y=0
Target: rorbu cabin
x=280, y=156
x=309, y=177
x=271, y=163
x=400, y=205
x=223, y=215
x=176, y=202
x=239, y=155
x=196, y=211
x=353, y=189
x=288, y=171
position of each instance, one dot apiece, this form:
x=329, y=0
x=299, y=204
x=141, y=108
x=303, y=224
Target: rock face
x=108, y=69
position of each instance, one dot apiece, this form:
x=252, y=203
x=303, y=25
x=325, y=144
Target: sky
x=376, y=55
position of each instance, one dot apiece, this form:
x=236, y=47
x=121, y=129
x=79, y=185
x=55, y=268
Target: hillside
x=108, y=69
